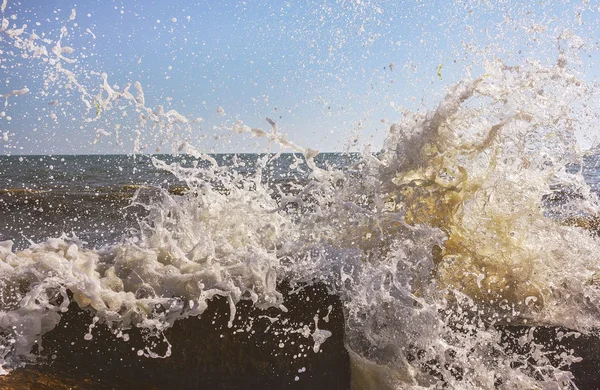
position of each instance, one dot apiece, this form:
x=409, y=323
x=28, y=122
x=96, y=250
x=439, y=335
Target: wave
x=431, y=244
x=470, y=225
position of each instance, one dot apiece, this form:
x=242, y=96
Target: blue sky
x=320, y=69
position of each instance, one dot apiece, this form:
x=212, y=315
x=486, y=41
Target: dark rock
x=253, y=354
x=206, y=354
x=557, y=339
x=178, y=190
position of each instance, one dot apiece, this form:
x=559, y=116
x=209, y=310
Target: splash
x=432, y=243
x=444, y=235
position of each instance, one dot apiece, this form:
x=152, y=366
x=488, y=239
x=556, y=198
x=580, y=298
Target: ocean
x=107, y=205
x=46, y=196
x=456, y=247
x=90, y=195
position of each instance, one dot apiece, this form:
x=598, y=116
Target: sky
x=333, y=74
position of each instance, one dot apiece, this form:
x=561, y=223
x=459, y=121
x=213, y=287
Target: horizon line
x=162, y=154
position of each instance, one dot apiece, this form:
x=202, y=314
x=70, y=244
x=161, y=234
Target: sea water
x=478, y=211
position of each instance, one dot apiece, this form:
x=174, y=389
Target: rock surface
x=263, y=350
x=256, y=353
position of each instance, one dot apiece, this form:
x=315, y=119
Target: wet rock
x=265, y=349
x=555, y=343
x=28, y=378
x=589, y=223
x=178, y=190
x=556, y=339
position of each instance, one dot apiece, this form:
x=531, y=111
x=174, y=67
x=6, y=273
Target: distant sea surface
x=90, y=195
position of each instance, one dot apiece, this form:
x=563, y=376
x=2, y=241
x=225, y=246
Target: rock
x=586, y=372
x=256, y=353
x=178, y=190
x=263, y=350
x=30, y=378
